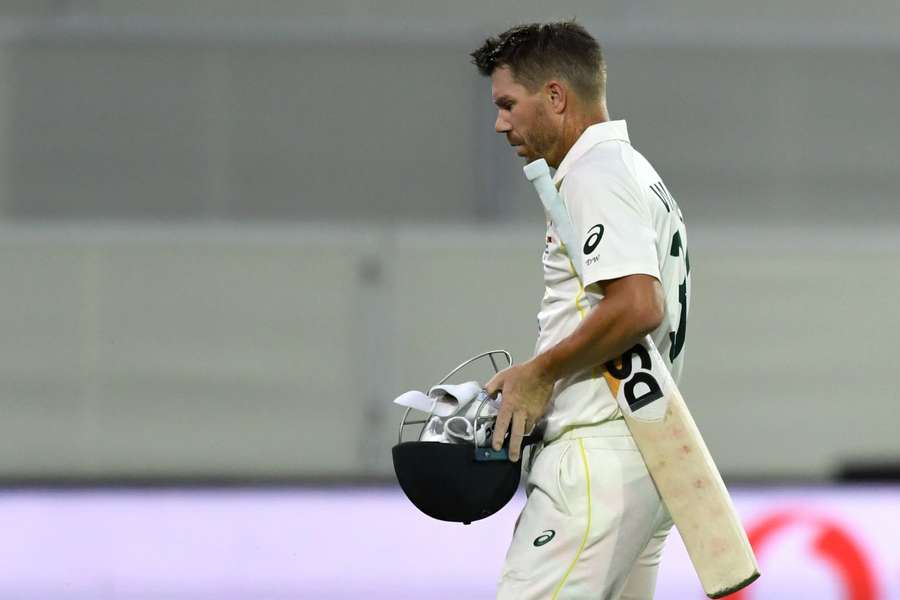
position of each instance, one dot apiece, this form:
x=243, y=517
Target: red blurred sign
x=832, y=544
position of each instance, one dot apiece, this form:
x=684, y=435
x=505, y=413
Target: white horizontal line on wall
x=753, y=238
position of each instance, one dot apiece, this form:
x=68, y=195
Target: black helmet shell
x=447, y=481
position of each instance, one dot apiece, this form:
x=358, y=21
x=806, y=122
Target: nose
x=500, y=125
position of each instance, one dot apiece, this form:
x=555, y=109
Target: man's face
x=522, y=116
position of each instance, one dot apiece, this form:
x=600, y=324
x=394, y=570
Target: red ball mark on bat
x=832, y=544
x=699, y=483
x=686, y=449
x=719, y=546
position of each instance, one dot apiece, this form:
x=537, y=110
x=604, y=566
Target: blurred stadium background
x=232, y=232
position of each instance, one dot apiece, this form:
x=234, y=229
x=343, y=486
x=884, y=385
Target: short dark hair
x=537, y=52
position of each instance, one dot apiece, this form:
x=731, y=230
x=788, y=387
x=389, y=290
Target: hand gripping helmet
x=464, y=481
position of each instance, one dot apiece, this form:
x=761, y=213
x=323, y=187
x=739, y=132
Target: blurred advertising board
x=341, y=543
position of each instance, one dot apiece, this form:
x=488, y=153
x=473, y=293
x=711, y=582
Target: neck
x=572, y=127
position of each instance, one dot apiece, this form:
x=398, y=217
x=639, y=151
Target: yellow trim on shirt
x=581, y=293
x=587, y=531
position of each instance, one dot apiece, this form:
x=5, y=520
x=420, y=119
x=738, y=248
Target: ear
x=557, y=94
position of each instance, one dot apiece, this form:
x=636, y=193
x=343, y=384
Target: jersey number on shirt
x=677, y=337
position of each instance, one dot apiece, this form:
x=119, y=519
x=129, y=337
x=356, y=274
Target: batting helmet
x=461, y=482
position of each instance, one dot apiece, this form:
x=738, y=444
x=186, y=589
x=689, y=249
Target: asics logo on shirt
x=543, y=539
x=594, y=235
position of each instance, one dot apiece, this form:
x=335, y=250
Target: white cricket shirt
x=627, y=223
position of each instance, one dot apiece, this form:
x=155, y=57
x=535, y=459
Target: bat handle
x=538, y=173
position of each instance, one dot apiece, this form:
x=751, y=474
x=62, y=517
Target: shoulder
x=608, y=168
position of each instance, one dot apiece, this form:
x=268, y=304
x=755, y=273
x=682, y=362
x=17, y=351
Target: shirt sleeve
x=612, y=225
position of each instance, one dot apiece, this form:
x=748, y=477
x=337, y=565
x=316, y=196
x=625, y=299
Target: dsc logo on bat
x=640, y=387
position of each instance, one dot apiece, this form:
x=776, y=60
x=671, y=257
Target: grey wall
x=232, y=232
x=361, y=119
x=274, y=352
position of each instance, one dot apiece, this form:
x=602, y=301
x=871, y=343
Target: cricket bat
x=668, y=439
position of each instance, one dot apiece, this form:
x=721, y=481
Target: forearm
x=613, y=326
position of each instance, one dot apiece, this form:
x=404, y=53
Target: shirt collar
x=590, y=137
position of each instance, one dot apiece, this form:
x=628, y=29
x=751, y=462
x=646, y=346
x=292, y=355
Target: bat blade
x=683, y=470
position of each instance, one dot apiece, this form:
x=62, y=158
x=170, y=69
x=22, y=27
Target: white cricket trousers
x=593, y=527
